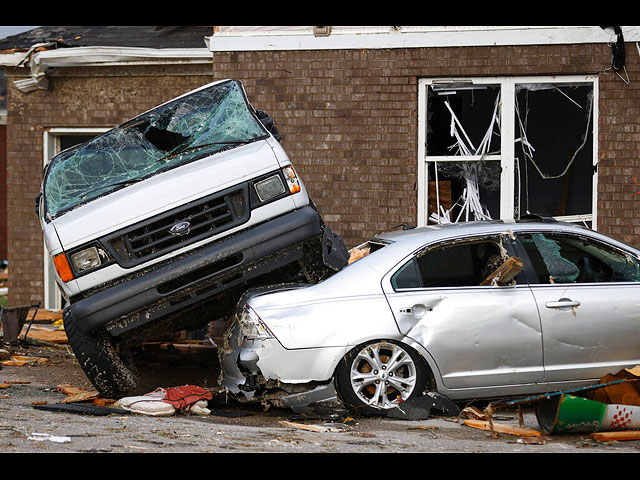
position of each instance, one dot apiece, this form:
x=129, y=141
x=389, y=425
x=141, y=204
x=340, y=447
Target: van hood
x=163, y=192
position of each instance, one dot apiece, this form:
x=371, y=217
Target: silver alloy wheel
x=383, y=374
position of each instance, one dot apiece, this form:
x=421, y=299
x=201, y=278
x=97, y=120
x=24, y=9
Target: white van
x=162, y=223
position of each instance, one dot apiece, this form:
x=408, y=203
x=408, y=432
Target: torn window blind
x=181, y=131
x=473, y=137
x=469, y=114
x=554, y=151
x=475, y=185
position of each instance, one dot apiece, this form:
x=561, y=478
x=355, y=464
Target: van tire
x=99, y=360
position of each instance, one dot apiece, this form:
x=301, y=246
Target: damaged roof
x=145, y=36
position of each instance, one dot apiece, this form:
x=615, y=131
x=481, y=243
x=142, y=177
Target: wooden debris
x=21, y=360
x=616, y=436
x=104, y=402
x=333, y=428
x=423, y=427
x=356, y=254
x=502, y=428
x=47, y=335
x=47, y=316
x=473, y=413
x=75, y=394
x=505, y=273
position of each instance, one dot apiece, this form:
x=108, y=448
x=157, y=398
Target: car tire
x=99, y=360
x=360, y=377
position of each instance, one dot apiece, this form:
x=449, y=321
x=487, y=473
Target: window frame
x=508, y=138
x=508, y=244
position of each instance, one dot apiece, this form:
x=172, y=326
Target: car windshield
x=186, y=129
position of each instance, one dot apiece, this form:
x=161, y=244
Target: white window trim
x=507, y=194
x=51, y=147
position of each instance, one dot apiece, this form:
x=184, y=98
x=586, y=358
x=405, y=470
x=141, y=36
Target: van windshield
x=188, y=128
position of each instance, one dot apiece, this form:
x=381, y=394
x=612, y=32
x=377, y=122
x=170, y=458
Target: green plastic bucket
x=568, y=414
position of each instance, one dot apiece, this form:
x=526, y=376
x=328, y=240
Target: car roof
x=415, y=238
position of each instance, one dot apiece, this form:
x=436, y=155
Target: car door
x=588, y=295
x=479, y=335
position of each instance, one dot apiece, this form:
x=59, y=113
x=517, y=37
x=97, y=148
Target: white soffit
x=240, y=38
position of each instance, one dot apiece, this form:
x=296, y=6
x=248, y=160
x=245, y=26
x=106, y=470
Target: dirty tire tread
x=99, y=361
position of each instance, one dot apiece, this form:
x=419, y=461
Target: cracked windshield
x=178, y=132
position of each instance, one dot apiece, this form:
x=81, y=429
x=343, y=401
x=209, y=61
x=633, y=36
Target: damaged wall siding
x=349, y=121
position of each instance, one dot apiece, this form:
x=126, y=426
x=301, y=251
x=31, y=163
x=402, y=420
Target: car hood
x=163, y=192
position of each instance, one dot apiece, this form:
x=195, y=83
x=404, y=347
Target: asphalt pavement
x=234, y=427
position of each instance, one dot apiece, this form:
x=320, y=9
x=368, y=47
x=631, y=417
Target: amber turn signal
x=63, y=268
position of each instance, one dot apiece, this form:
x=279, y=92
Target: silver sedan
x=473, y=311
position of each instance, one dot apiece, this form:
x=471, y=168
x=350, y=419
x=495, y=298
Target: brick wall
x=349, y=122
x=3, y=192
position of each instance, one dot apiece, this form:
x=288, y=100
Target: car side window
x=560, y=258
x=459, y=264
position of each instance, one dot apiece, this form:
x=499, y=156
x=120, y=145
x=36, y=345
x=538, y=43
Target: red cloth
x=183, y=397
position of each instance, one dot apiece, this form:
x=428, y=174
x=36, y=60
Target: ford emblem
x=181, y=228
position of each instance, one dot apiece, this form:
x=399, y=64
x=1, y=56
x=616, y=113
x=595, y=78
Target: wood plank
x=616, y=436
x=502, y=428
x=505, y=273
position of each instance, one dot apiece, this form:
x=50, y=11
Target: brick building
x=386, y=125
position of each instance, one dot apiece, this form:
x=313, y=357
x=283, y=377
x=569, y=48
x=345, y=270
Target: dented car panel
x=532, y=328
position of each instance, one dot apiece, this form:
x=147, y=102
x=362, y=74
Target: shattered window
x=463, y=148
x=569, y=259
x=461, y=264
x=464, y=191
x=181, y=131
x=507, y=147
x=554, y=149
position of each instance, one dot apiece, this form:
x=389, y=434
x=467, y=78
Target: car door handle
x=418, y=311
x=562, y=303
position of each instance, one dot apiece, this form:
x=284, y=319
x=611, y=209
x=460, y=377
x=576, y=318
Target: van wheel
x=99, y=360
x=378, y=376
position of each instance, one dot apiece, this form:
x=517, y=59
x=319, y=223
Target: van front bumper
x=196, y=277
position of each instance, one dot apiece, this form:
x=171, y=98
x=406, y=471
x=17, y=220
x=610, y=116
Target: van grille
x=199, y=220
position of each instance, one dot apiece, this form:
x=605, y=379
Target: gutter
x=40, y=61
x=226, y=39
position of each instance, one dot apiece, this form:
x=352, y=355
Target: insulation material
x=183, y=130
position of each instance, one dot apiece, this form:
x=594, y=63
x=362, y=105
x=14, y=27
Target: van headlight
x=86, y=259
x=269, y=188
